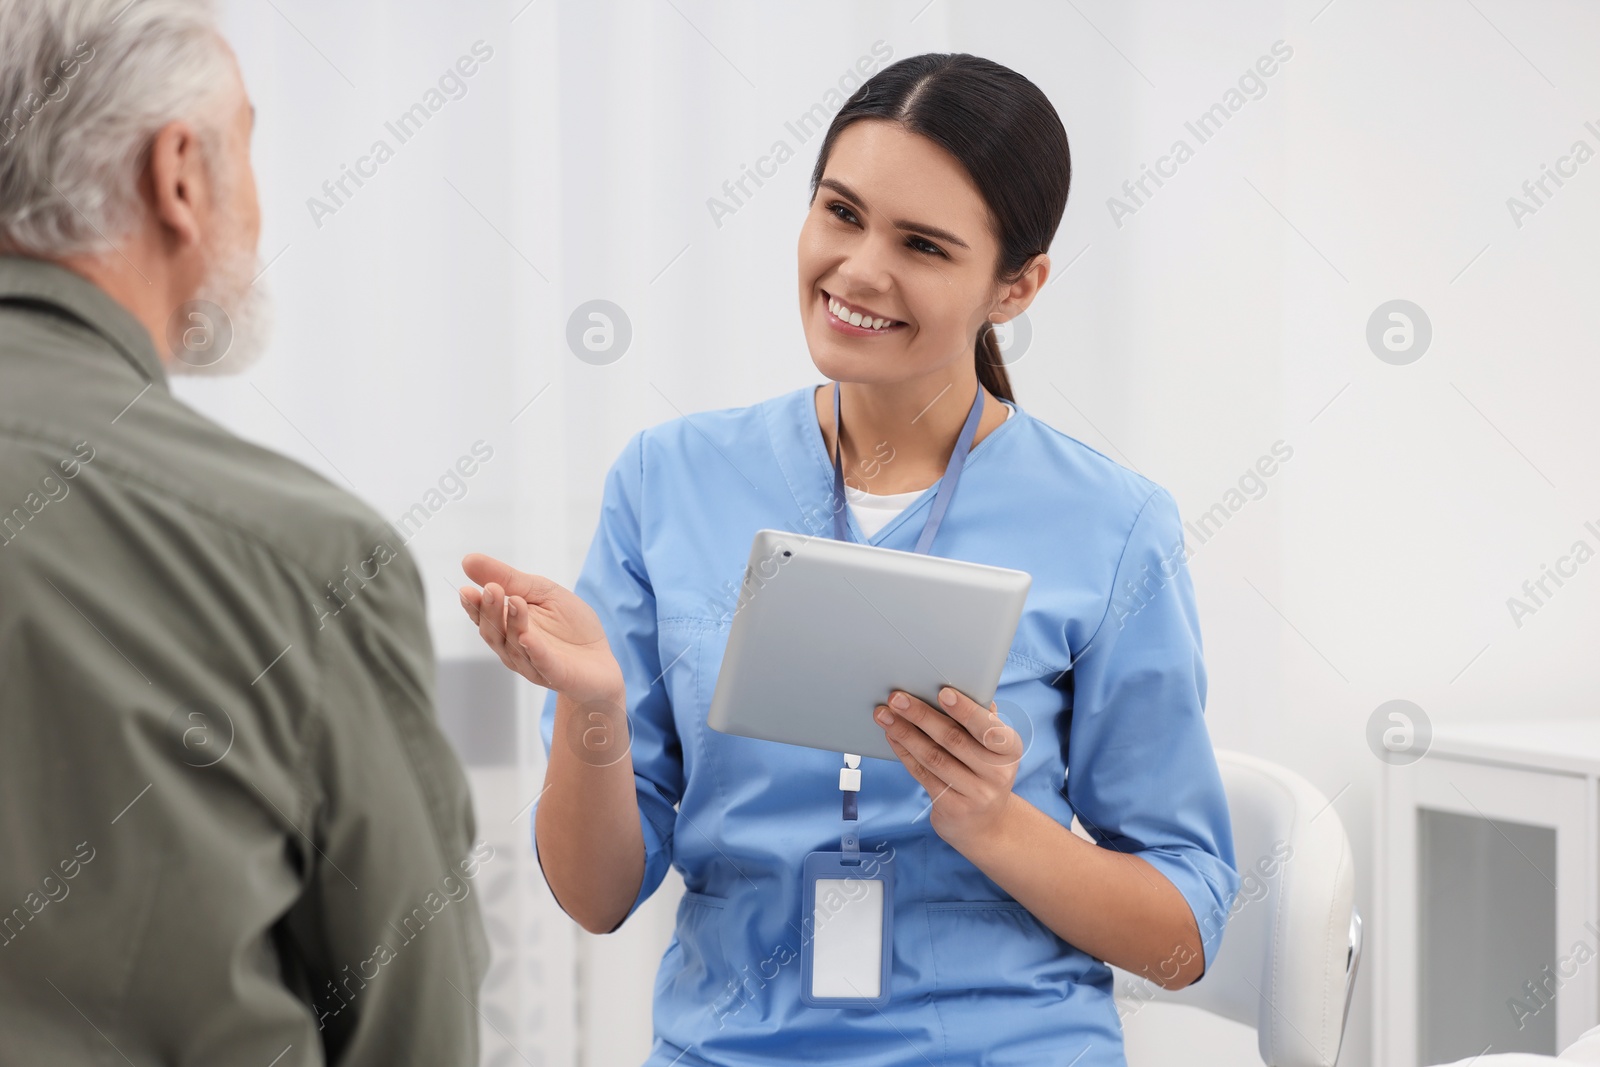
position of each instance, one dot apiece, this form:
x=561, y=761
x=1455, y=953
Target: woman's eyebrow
x=900, y=224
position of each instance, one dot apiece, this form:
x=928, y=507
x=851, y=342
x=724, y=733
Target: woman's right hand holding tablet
x=543, y=631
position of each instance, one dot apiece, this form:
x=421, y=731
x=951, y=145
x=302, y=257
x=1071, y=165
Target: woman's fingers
x=935, y=786
x=523, y=638
x=487, y=611
x=506, y=625
x=929, y=743
x=944, y=729
x=1000, y=745
x=486, y=569
x=561, y=613
x=549, y=635
x=471, y=601
x=491, y=619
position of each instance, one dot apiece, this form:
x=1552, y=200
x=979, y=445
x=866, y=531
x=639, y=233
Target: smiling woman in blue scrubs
x=936, y=195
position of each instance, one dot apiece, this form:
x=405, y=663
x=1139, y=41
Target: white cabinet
x=1487, y=931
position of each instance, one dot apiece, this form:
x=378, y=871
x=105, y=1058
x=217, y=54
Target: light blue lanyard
x=947, y=483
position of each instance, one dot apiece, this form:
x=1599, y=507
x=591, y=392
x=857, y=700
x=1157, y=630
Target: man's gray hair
x=84, y=86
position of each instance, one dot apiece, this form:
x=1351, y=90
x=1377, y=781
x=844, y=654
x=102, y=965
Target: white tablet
x=825, y=629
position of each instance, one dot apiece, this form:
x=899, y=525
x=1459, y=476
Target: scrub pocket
x=695, y=967
x=996, y=948
x=1004, y=981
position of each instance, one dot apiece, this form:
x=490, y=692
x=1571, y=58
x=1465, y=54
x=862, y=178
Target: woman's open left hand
x=961, y=753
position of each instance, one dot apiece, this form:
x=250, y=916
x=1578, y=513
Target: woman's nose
x=866, y=268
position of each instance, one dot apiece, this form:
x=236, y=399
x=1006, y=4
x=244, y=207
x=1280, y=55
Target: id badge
x=848, y=913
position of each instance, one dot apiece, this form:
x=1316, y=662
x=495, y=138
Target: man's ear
x=1015, y=298
x=179, y=182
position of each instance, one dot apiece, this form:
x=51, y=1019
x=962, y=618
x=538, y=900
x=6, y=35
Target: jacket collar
x=34, y=281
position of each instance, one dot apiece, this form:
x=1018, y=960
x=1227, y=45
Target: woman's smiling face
x=899, y=235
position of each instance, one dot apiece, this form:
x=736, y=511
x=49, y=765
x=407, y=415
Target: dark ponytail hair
x=1003, y=130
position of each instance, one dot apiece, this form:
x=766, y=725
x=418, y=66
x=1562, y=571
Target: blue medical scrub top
x=1105, y=680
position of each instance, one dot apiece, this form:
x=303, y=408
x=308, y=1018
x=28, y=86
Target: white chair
x=1291, y=948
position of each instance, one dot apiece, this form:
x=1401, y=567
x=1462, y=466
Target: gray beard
x=248, y=306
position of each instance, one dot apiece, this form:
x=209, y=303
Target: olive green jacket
x=231, y=831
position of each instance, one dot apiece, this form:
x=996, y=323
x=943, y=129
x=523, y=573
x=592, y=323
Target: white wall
x=1226, y=314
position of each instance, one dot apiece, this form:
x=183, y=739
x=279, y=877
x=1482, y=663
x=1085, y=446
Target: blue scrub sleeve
x=615, y=584
x=1141, y=773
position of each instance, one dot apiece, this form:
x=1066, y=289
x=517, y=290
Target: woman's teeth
x=855, y=318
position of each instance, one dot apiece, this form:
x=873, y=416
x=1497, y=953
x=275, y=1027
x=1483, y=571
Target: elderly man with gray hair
x=230, y=828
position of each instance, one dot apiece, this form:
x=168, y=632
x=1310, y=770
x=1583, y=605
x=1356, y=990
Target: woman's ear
x=1015, y=297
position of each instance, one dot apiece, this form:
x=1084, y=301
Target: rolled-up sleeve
x=1141, y=774
x=615, y=584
